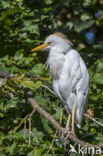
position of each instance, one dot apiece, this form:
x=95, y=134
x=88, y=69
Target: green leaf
x=39, y=69
x=5, y=4
x=83, y=25
x=9, y=22
x=28, y=40
x=99, y=67
x=23, y=35
x=100, y=139
x=16, y=9
x=85, y=17
x=98, y=78
x=48, y=2
x=46, y=125
x=18, y=56
x=57, y=114
x=38, y=151
x=32, y=28
x=39, y=135
x=4, y=15
x=11, y=148
x=31, y=84
x=28, y=60
x=31, y=153
x=44, y=17
x=40, y=100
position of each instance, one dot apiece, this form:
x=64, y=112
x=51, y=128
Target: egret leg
x=68, y=121
x=73, y=118
x=64, y=132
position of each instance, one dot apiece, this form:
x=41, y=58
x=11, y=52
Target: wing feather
x=75, y=71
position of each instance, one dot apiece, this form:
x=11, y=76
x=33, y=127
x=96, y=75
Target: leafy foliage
x=23, y=25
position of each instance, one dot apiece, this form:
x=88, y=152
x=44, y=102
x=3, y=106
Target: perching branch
x=54, y=123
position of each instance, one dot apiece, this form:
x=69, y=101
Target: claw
x=63, y=137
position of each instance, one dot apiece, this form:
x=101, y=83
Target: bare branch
x=93, y=119
x=30, y=125
x=22, y=121
x=50, y=90
x=51, y=147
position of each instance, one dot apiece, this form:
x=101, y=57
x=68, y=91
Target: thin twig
x=99, y=119
x=35, y=137
x=50, y=90
x=30, y=125
x=51, y=147
x=93, y=119
x=22, y=121
x=45, y=94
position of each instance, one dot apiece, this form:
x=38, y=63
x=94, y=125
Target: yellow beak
x=40, y=47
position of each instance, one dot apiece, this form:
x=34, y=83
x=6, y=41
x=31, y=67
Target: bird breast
x=55, y=64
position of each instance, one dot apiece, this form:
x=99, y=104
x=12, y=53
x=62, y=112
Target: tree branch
x=4, y=74
x=100, y=124
x=54, y=123
x=50, y=90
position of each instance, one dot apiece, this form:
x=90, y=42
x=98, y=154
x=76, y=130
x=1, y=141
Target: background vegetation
x=24, y=25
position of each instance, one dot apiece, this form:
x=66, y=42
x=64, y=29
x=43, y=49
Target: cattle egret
x=69, y=74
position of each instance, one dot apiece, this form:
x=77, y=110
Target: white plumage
x=69, y=74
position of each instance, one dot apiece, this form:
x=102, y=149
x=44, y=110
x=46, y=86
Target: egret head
x=56, y=41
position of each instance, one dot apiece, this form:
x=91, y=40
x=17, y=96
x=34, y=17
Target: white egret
x=69, y=74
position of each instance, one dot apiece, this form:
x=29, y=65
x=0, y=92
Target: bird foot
x=63, y=137
x=64, y=131
x=72, y=132
x=67, y=128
